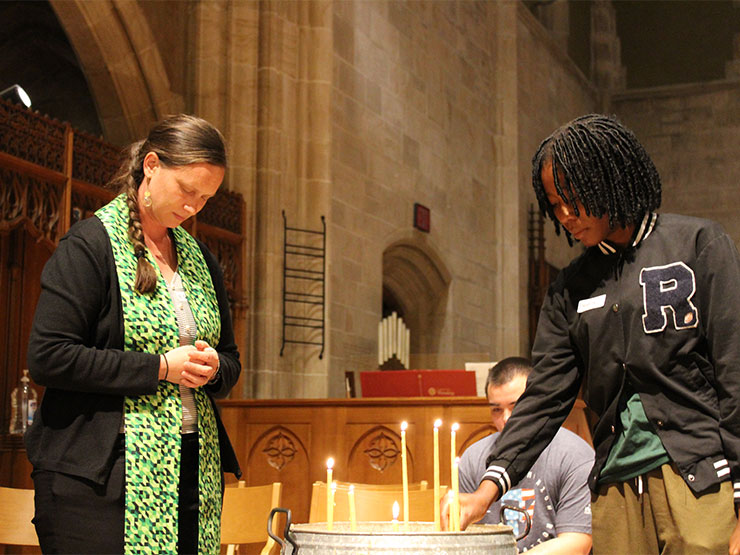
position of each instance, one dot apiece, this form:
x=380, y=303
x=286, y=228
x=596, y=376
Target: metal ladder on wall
x=304, y=285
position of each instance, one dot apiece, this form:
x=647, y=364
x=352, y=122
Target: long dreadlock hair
x=604, y=167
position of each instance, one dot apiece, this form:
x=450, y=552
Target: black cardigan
x=76, y=351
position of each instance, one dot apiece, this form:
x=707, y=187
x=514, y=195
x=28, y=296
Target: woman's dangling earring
x=147, y=199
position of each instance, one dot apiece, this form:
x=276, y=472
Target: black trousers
x=75, y=515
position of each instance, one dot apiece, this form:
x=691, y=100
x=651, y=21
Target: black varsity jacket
x=664, y=314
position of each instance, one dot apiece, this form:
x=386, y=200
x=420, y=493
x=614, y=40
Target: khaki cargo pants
x=665, y=517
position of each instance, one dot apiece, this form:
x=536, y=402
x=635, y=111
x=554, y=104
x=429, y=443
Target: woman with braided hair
x=132, y=338
x=645, y=323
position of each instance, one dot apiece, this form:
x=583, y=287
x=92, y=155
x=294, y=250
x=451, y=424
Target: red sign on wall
x=422, y=217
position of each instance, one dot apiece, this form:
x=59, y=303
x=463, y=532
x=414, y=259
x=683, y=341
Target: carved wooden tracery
x=52, y=176
x=382, y=451
x=280, y=450
x=32, y=137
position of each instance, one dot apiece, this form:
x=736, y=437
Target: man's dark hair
x=506, y=370
x=604, y=166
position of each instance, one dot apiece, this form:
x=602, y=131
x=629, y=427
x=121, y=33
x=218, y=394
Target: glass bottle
x=22, y=405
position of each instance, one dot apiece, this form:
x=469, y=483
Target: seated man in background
x=555, y=491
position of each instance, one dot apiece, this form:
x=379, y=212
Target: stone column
x=263, y=76
x=607, y=71
x=293, y=144
x=225, y=48
x=511, y=308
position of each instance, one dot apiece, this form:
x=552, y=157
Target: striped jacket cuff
x=722, y=468
x=499, y=475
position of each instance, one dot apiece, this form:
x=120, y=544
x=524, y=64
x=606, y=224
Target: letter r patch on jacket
x=668, y=287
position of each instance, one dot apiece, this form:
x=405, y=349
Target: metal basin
x=386, y=538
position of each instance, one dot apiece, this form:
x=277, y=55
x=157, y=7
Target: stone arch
x=122, y=64
x=417, y=278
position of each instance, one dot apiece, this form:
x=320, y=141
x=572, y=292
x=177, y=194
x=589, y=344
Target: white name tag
x=590, y=304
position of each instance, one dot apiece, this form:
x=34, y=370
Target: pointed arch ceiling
x=122, y=64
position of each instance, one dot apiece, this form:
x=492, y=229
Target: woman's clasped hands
x=189, y=365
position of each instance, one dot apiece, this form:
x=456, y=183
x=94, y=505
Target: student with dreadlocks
x=645, y=322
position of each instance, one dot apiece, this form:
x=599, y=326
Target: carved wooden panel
x=30, y=136
x=228, y=253
x=224, y=210
x=12, y=198
x=375, y=456
x=94, y=160
x=381, y=449
x=43, y=208
x=23, y=196
x=280, y=449
x=279, y=454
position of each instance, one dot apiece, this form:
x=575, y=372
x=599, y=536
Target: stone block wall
x=414, y=114
x=692, y=133
x=552, y=91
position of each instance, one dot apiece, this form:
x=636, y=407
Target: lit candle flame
x=396, y=510
x=455, y=427
x=404, y=425
x=330, y=463
x=438, y=423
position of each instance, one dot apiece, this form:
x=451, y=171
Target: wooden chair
x=373, y=504
x=16, y=512
x=244, y=515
